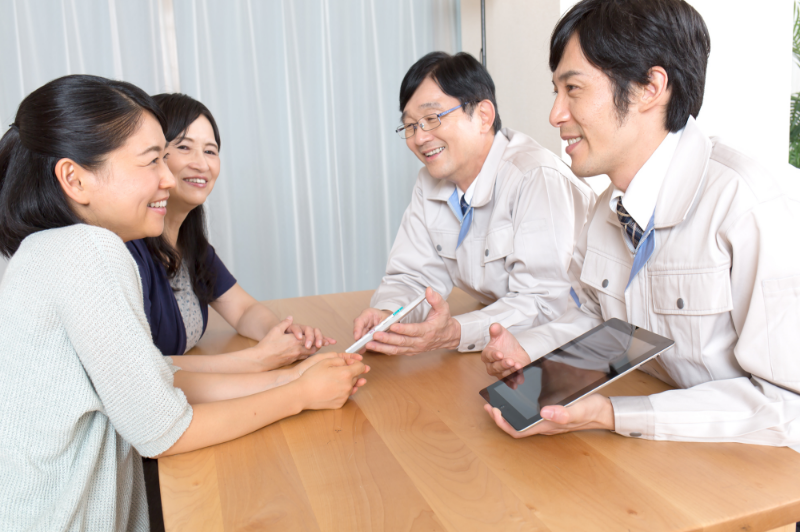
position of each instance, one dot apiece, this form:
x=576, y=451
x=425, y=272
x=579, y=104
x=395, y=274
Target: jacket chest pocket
x=781, y=297
x=693, y=293
x=691, y=307
x=499, y=244
x=608, y=276
x=444, y=243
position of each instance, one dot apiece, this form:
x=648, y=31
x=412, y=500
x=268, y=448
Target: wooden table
x=414, y=450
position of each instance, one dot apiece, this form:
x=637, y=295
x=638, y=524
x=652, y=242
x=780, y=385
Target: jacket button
x=605, y=283
x=636, y=434
x=680, y=303
x=486, y=253
x=471, y=347
x=438, y=247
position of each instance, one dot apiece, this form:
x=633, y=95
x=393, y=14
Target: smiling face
x=584, y=111
x=194, y=161
x=129, y=194
x=456, y=149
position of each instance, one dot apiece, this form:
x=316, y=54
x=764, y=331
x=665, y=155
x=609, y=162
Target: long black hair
x=192, y=244
x=83, y=118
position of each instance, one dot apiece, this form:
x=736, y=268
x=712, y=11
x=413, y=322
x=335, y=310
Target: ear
x=73, y=179
x=486, y=113
x=655, y=93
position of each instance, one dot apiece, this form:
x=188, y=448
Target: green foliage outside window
x=794, y=128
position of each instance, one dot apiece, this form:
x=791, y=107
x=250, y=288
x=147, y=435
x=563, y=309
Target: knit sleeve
x=102, y=312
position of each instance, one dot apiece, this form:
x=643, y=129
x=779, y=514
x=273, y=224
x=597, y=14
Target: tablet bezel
x=359, y=344
x=520, y=422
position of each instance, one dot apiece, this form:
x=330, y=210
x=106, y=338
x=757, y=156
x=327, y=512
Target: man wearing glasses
x=492, y=212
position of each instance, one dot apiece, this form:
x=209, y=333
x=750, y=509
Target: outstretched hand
x=503, y=355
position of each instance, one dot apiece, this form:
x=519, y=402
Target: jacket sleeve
x=549, y=213
x=765, y=407
x=538, y=341
x=413, y=265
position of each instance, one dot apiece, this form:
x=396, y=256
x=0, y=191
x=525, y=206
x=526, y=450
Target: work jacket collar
x=684, y=179
x=484, y=183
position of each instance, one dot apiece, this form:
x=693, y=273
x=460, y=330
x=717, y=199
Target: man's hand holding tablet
x=555, y=393
x=439, y=330
x=385, y=324
x=592, y=412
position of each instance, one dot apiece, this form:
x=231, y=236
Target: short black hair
x=78, y=117
x=460, y=76
x=626, y=38
x=181, y=111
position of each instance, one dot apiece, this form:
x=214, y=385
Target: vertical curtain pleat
x=314, y=180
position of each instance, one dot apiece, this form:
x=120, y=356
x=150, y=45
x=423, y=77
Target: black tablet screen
x=572, y=370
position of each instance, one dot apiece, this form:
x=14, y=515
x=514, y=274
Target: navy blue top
x=160, y=305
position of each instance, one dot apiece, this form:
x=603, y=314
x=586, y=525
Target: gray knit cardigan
x=82, y=387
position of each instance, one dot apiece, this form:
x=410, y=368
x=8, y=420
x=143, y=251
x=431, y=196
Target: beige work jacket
x=723, y=282
x=528, y=211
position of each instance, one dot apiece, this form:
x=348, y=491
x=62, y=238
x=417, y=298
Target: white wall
x=749, y=72
x=518, y=40
x=749, y=80
x=795, y=72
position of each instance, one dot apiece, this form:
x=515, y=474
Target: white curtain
x=314, y=180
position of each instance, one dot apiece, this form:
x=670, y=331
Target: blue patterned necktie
x=631, y=227
x=462, y=211
x=634, y=231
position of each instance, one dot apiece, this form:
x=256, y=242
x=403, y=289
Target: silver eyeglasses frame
x=403, y=131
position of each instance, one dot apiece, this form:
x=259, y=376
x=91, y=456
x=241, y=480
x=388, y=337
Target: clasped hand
x=288, y=342
x=439, y=330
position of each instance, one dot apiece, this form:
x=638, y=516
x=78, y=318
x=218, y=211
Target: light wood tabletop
x=414, y=450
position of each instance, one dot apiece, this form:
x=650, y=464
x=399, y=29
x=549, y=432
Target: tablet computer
x=398, y=315
x=573, y=371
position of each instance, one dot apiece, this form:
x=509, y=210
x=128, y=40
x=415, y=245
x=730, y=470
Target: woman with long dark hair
x=83, y=389
x=182, y=274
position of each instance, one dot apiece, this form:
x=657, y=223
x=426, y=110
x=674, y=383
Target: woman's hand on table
x=593, y=412
x=310, y=336
x=330, y=381
x=303, y=366
x=288, y=342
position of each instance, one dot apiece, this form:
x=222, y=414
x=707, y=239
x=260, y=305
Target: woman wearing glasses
x=182, y=274
x=83, y=389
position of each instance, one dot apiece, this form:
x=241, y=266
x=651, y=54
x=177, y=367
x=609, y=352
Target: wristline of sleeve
x=474, y=331
x=388, y=304
x=536, y=346
x=634, y=417
x=171, y=435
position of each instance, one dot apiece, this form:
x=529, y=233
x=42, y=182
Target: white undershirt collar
x=468, y=194
x=642, y=194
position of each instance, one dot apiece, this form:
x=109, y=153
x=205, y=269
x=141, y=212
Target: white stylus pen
x=385, y=324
